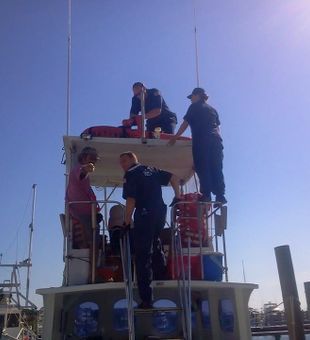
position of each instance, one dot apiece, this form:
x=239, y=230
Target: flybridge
x=99, y=295
x=154, y=152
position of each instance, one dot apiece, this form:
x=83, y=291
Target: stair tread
x=155, y=310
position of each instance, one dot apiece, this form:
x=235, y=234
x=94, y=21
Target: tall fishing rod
x=69, y=68
x=31, y=225
x=68, y=78
x=196, y=45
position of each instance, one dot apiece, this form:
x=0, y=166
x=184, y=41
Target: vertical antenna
x=34, y=194
x=69, y=70
x=243, y=271
x=196, y=45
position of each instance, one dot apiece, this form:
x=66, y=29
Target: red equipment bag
x=188, y=220
x=129, y=133
x=190, y=229
x=190, y=209
x=128, y=122
x=103, y=131
x=195, y=262
x=136, y=120
x=112, y=271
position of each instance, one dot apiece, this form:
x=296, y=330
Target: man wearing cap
x=157, y=112
x=79, y=189
x=207, y=146
x=143, y=194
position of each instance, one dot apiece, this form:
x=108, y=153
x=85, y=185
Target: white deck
x=176, y=159
x=199, y=284
x=65, y=300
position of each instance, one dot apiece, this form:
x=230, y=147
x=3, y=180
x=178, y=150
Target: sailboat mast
x=34, y=194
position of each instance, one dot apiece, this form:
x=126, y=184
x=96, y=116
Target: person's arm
x=166, y=178
x=156, y=101
x=129, y=209
x=182, y=128
x=135, y=107
x=85, y=169
x=129, y=194
x=153, y=113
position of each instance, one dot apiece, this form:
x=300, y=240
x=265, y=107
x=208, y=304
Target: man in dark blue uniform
x=157, y=112
x=204, y=122
x=143, y=194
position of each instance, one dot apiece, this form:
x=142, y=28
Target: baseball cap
x=198, y=91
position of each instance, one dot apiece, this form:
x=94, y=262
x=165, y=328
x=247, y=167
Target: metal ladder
x=127, y=274
x=128, y=281
x=184, y=285
x=184, y=278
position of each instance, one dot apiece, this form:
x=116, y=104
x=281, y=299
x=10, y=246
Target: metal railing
x=128, y=280
x=94, y=246
x=204, y=218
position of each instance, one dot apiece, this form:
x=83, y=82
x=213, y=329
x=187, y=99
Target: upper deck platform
x=176, y=159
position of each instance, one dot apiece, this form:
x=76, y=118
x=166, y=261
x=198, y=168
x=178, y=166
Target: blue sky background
x=254, y=63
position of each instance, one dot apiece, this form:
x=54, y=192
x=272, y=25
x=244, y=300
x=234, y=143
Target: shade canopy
x=176, y=159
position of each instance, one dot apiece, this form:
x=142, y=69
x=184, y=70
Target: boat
x=17, y=321
x=194, y=302
x=18, y=315
x=98, y=298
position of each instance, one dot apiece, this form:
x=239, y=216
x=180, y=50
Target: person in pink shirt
x=79, y=189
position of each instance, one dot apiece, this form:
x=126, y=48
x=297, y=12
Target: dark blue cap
x=198, y=91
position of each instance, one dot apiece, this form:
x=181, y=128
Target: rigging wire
x=15, y=238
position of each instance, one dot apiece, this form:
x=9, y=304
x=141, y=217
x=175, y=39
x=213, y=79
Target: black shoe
x=220, y=200
x=145, y=305
x=204, y=198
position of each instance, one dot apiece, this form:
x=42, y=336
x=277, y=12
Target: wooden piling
x=307, y=292
x=289, y=293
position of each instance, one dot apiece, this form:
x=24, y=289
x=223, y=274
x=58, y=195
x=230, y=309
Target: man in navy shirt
x=143, y=194
x=157, y=111
x=207, y=146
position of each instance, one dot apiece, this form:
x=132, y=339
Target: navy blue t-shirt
x=153, y=100
x=143, y=183
x=203, y=120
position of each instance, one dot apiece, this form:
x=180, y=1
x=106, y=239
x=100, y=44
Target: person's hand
x=89, y=167
x=128, y=122
x=172, y=141
x=126, y=226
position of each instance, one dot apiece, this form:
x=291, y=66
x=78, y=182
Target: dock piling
x=307, y=292
x=289, y=293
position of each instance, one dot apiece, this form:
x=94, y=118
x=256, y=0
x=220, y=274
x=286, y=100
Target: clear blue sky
x=254, y=63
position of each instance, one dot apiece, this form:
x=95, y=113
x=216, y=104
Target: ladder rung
x=157, y=310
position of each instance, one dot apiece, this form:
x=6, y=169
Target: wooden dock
x=275, y=331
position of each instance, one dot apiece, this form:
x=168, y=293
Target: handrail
x=93, y=226
x=143, y=114
x=177, y=249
